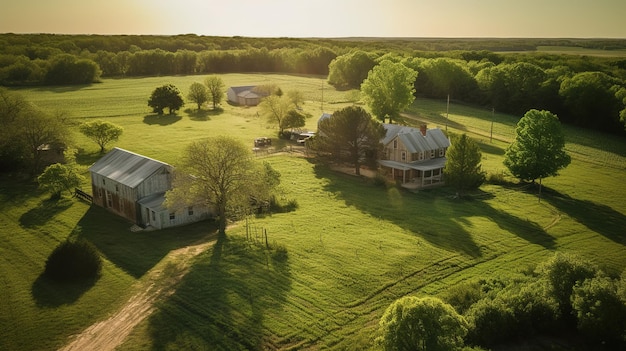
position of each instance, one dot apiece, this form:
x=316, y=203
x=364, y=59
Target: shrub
x=600, y=312
x=412, y=323
x=280, y=252
x=491, y=321
x=73, y=261
x=463, y=296
x=562, y=272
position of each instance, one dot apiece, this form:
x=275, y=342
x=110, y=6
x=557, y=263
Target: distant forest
x=506, y=74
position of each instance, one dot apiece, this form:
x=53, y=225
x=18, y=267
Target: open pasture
x=352, y=247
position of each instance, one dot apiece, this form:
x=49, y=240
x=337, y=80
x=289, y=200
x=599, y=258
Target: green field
x=352, y=247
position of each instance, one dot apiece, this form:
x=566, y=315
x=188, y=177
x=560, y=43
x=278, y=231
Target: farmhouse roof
x=245, y=91
x=155, y=202
x=126, y=167
x=414, y=140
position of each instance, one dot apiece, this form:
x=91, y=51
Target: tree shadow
x=432, y=214
x=599, y=218
x=49, y=293
x=490, y=148
x=203, y=115
x=429, y=215
x=162, y=120
x=45, y=211
x=138, y=252
x=223, y=301
x=87, y=159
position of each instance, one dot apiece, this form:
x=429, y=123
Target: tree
x=296, y=97
x=388, y=89
x=350, y=133
x=166, y=96
x=101, y=132
x=275, y=108
x=58, y=177
x=538, y=149
x=198, y=94
x=411, y=323
x=36, y=128
x=216, y=89
x=218, y=171
x=463, y=169
x=600, y=312
x=349, y=70
x=294, y=119
x=562, y=272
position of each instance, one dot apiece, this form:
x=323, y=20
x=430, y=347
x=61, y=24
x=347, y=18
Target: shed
x=244, y=95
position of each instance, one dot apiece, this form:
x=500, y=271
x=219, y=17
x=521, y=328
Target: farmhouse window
x=432, y=153
x=103, y=181
x=117, y=188
x=442, y=152
x=109, y=199
x=172, y=216
x=153, y=216
x=403, y=156
x=395, y=144
x=190, y=210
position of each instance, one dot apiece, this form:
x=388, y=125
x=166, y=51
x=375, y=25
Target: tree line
x=581, y=90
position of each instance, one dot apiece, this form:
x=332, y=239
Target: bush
x=491, y=321
x=280, y=252
x=600, y=312
x=73, y=261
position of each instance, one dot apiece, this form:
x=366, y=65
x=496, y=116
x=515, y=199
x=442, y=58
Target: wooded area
x=508, y=75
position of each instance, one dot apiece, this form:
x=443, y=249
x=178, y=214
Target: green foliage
x=562, y=272
x=166, y=96
x=442, y=77
x=198, y=94
x=102, y=132
x=276, y=109
x=388, y=89
x=491, y=321
x=412, y=323
x=58, y=177
x=216, y=86
x=600, y=312
x=67, y=69
x=351, y=134
x=463, y=170
x=539, y=147
x=73, y=260
x=293, y=120
x=349, y=70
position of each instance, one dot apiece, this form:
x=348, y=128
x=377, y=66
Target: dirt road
x=158, y=283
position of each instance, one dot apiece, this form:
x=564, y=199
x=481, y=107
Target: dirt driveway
x=158, y=283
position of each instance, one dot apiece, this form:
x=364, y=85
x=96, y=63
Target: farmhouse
x=414, y=157
x=244, y=95
x=133, y=186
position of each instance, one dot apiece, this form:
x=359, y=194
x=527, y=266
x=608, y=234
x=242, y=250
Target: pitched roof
x=414, y=140
x=126, y=167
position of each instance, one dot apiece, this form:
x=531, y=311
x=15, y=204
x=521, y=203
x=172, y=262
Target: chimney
x=423, y=129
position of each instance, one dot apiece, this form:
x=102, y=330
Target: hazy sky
x=320, y=18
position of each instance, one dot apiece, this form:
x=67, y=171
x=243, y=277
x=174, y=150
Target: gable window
x=172, y=216
x=442, y=152
x=190, y=210
x=432, y=153
x=421, y=156
x=117, y=187
x=103, y=181
x=395, y=144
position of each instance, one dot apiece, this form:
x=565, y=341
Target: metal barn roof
x=126, y=167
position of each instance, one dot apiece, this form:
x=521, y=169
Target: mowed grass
x=352, y=247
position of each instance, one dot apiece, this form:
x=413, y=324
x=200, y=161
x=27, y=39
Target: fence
x=82, y=195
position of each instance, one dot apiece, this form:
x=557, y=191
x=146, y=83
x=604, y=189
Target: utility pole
x=493, y=111
x=447, y=112
x=322, y=96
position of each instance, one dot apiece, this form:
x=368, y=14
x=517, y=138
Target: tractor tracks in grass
x=159, y=282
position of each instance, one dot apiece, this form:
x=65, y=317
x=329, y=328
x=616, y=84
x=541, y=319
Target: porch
x=416, y=175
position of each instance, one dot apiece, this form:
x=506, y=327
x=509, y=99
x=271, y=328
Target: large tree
x=427, y=324
x=216, y=89
x=275, y=109
x=388, y=89
x=350, y=133
x=57, y=178
x=101, y=132
x=166, y=96
x=198, y=94
x=219, y=172
x=463, y=170
x=539, y=147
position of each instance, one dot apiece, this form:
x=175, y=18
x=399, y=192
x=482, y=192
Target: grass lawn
x=352, y=247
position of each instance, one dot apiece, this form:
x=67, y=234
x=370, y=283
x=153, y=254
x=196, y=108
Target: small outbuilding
x=244, y=95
